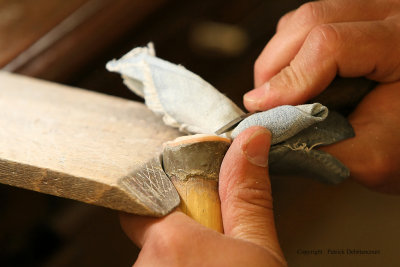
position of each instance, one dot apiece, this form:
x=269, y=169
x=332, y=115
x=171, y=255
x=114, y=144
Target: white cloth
x=186, y=101
x=183, y=98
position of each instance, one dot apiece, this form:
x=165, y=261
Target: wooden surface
x=54, y=40
x=308, y=215
x=193, y=164
x=24, y=22
x=200, y=201
x=81, y=145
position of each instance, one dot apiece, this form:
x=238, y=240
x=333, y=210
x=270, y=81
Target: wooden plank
x=62, y=49
x=23, y=22
x=78, y=144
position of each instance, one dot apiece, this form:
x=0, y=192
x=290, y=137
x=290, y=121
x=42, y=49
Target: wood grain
x=82, y=145
x=23, y=22
x=193, y=164
x=66, y=41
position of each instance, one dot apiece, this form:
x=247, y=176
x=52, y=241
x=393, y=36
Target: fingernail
x=257, y=146
x=256, y=95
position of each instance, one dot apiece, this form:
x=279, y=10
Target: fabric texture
x=186, y=101
x=284, y=121
x=182, y=98
x=298, y=154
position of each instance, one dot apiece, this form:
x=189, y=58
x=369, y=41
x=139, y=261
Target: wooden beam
x=22, y=23
x=73, y=33
x=81, y=145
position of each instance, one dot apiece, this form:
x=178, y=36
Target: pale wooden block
x=79, y=144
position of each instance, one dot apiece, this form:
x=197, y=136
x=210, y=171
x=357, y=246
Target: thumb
x=245, y=190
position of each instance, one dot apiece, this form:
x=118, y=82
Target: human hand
x=323, y=39
x=246, y=204
x=374, y=156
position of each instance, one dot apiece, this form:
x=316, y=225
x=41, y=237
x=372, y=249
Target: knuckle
x=387, y=66
x=288, y=78
x=324, y=39
x=292, y=79
x=309, y=14
x=169, y=245
x=253, y=196
x=385, y=72
x=283, y=21
x=381, y=170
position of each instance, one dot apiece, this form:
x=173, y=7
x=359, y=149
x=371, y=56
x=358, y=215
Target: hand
x=374, y=156
x=322, y=39
x=354, y=38
x=250, y=236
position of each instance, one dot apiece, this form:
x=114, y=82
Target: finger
x=283, y=21
x=294, y=27
x=177, y=240
x=373, y=155
x=135, y=226
x=349, y=49
x=141, y=229
x=245, y=191
x=164, y=241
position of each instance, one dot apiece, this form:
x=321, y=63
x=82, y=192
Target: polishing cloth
x=182, y=98
x=186, y=101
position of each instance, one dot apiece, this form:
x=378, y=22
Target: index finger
x=294, y=28
x=348, y=49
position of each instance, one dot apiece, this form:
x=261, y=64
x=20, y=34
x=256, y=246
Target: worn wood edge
x=89, y=189
x=152, y=186
x=53, y=183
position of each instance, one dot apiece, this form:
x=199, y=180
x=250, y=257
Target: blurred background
x=70, y=42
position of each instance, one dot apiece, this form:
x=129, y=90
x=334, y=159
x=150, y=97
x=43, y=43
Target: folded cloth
x=297, y=154
x=186, y=101
x=284, y=121
x=181, y=97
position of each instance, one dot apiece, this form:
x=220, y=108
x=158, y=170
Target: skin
x=246, y=204
x=312, y=45
x=354, y=38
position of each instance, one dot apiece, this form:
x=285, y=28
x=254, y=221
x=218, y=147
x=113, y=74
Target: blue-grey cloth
x=284, y=121
x=186, y=101
x=298, y=154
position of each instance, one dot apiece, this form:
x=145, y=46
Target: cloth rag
x=186, y=101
